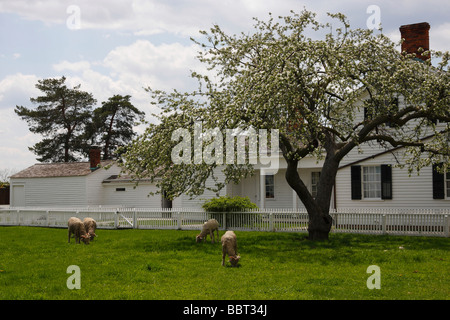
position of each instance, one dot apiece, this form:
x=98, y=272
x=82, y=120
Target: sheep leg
x=211, y=235
x=69, y=235
x=223, y=256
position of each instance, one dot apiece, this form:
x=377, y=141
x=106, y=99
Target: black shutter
x=386, y=182
x=356, y=182
x=438, y=183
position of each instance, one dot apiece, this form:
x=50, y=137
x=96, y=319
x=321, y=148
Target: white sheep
x=208, y=228
x=90, y=225
x=76, y=227
x=229, y=247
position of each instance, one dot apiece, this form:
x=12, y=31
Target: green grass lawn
x=168, y=264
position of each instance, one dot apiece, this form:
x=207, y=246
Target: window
x=120, y=189
x=447, y=183
x=314, y=181
x=371, y=182
x=441, y=183
x=270, y=187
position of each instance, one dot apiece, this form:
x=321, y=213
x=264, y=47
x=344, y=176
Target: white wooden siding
x=51, y=192
x=17, y=195
x=415, y=191
x=132, y=197
x=285, y=197
x=95, y=194
x=373, y=148
x=185, y=201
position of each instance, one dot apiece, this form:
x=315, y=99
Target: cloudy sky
x=121, y=46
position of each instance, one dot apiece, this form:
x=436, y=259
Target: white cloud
x=71, y=66
x=151, y=16
x=440, y=37
x=127, y=70
x=16, y=89
x=16, y=138
x=165, y=66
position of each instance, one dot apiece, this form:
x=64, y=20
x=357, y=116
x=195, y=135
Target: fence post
x=179, y=220
x=446, y=226
x=18, y=217
x=135, y=224
x=271, y=222
x=116, y=219
x=383, y=223
x=335, y=219
x=47, y=216
x=224, y=220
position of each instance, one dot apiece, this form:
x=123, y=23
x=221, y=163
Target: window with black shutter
x=438, y=183
x=371, y=182
x=356, y=182
x=386, y=182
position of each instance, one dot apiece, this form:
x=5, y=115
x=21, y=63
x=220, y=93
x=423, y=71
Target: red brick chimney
x=416, y=36
x=94, y=157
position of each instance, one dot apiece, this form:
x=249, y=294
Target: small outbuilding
x=88, y=184
x=69, y=184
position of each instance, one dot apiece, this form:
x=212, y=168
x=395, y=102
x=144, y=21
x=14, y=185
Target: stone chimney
x=416, y=36
x=94, y=157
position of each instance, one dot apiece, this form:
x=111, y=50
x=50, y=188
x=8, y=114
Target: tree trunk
x=66, y=147
x=320, y=221
x=319, y=225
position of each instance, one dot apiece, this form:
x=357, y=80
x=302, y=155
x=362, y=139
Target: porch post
x=262, y=189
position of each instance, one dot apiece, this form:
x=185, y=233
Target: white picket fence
x=366, y=221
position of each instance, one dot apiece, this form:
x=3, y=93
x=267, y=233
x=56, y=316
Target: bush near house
x=229, y=204
x=236, y=205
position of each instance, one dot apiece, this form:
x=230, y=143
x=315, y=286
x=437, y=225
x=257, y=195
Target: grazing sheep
x=208, y=228
x=229, y=246
x=90, y=225
x=76, y=227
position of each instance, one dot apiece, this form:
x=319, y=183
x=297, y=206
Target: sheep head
x=85, y=238
x=92, y=235
x=198, y=238
x=234, y=260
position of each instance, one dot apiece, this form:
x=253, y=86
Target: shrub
x=227, y=204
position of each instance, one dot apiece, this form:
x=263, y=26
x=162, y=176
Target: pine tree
x=112, y=125
x=61, y=116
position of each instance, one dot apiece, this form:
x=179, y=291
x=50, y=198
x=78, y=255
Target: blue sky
x=122, y=46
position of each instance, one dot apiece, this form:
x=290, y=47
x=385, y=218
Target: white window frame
x=269, y=185
x=371, y=182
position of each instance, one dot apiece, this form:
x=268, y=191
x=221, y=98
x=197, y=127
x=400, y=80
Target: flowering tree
x=310, y=91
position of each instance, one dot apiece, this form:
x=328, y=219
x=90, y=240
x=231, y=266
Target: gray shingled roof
x=64, y=169
x=124, y=178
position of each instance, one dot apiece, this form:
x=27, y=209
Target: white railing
x=367, y=221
